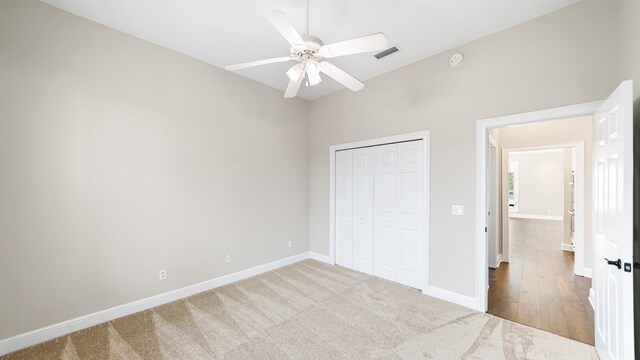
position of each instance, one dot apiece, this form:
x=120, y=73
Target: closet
x=379, y=200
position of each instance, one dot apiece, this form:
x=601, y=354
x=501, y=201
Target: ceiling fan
x=309, y=51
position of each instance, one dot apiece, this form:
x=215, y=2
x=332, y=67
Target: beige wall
x=540, y=182
x=548, y=62
x=119, y=158
x=553, y=133
x=630, y=43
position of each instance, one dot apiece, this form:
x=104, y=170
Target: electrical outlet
x=289, y=244
x=162, y=274
x=228, y=259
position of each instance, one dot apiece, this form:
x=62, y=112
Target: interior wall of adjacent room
x=119, y=158
x=552, y=133
x=548, y=62
x=540, y=182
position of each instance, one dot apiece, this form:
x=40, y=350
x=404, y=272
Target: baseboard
x=321, y=257
x=451, y=297
x=567, y=247
x=592, y=299
x=587, y=272
x=66, y=327
x=498, y=260
x=537, y=217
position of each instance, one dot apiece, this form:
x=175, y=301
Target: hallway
x=538, y=287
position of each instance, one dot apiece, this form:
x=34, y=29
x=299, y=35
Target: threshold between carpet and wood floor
x=309, y=310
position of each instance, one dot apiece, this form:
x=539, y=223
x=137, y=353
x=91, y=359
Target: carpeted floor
x=310, y=310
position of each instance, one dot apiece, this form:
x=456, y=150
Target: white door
x=409, y=212
x=363, y=165
x=384, y=232
x=344, y=208
x=492, y=234
x=613, y=225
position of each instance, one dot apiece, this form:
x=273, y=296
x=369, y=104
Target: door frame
x=581, y=176
x=420, y=135
x=482, y=131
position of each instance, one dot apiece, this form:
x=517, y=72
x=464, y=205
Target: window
x=513, y=186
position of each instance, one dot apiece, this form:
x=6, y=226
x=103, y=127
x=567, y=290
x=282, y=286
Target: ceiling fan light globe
x=314, y=80
x=313, y=69
x=295, y=72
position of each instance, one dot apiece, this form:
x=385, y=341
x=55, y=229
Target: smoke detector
x=456, y=60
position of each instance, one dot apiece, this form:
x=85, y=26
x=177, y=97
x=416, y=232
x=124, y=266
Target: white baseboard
x=592, y=298
x=66, y=327
x=587, y=272
x=538, y=217
x=320, y=257
x=567, y=247
x=498, y=260
x=450, y=296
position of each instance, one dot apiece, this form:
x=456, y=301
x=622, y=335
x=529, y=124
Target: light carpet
x=310, y=310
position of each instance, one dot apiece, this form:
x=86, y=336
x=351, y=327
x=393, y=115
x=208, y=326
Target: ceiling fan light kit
x=309, y=50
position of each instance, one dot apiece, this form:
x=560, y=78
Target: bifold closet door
x=385, y=261
x=410, y=213
x=363, y=165
x=344, y=208
x=398, y=212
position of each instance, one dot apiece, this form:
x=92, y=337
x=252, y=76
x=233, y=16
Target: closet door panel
x=409, y=195
x=344, y=208
x=363, y=165
x=384, y=233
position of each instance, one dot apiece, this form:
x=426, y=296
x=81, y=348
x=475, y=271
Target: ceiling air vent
x=385, y=53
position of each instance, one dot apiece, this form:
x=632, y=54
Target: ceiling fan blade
x=283, y=25
x=340, y=76
x=373, y=42
x=257, y=63
x=294, y=86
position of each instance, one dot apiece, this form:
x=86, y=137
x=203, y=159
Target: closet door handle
x=617, y=263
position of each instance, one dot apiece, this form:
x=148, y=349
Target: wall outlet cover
x=228, y=259
x=162, y=274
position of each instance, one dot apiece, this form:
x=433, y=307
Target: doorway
x=537, y=280
x=612, y=295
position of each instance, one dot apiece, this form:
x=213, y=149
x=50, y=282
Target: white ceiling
x=224, y=32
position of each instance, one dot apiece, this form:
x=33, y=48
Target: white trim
x=592, y=299
x=482, y=127
x=499, y=261
x=420, y=135
x=493, y=142
x=321, y=257
x=567, y=247
x=66, y=327
x=446, y=295
x=537, y=150
x=586, y=272
x=536, y=217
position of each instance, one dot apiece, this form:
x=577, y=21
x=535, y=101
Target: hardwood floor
x=538, y=287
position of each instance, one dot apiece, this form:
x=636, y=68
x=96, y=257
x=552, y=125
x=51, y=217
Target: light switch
x=457, y=210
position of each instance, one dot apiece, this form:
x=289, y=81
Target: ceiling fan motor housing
x=313, y=45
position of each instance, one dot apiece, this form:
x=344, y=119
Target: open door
x=613, y=183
